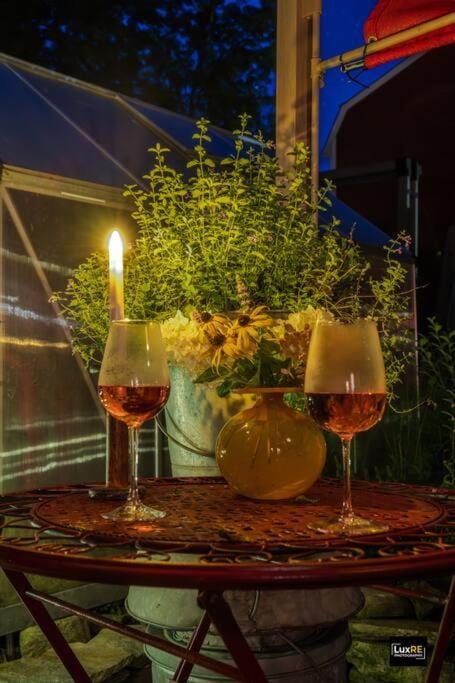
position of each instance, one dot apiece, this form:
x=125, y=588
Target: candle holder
x=117, y=474
x=117, y=469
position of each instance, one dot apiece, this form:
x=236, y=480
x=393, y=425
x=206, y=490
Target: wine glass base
x=133, y=511
x=349, y=526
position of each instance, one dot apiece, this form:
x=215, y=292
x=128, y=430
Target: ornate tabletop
x=213, y=539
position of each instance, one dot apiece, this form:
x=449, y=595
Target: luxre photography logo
x=408, y=651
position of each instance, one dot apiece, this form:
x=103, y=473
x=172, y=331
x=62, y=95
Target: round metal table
x=234, y=543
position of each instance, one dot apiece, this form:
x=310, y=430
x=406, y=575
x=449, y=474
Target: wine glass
x=134, y=386
x=346, y=391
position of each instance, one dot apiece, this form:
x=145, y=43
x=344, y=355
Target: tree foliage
x=197, y=57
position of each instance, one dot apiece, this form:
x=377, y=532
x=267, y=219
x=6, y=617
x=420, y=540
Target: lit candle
x=116, y=303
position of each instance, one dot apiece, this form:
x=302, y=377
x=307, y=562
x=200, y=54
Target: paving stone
x=33, y=670
x=102, y=657
x=424, y=608
x=33, y=642
x=111, y=639
x=379, y=605
x=8, y=595
x=371, y=662
x=383, y=629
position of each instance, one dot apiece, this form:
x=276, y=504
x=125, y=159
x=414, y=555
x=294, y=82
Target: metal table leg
x=185, y=667
x=221, y=615
x=48, y=627
x=31, y=595
x=444, y=633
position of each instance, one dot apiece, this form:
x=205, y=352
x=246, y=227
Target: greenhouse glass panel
x=53, y=425
x=182, y=128
x=103, y=118
x=65, y=232
x=34, y=136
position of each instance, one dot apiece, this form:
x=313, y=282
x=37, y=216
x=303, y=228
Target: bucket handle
x=190, y=448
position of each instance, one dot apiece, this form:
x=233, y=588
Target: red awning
x=392, y=16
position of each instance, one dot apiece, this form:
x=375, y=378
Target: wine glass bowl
x=133, y=405
x=133, y=386
x=346, y=391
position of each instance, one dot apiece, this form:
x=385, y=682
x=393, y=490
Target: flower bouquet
x=250, y=348
x=230, y=258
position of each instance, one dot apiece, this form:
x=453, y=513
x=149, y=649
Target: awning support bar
x=358, y=55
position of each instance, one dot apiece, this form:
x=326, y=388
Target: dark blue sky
x=341, y=30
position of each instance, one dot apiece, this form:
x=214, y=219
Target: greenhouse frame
x=67, y=150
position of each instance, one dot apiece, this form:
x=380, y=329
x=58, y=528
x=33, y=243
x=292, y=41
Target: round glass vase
x=270, y=451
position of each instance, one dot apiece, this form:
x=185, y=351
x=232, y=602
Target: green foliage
x=417, y=444
x=437, y=354
x=241, y=220
x=267, y=368
x=86, y=305
x=244, y=220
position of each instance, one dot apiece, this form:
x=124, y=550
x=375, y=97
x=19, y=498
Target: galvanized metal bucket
x=320, y=657
x=255, y=611
x=194, y=416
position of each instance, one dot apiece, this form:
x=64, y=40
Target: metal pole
x=390, y=41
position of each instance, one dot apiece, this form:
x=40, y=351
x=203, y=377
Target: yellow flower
x=211, y=323
x=257, y=318
x=278, y=330
x=223, y=344
x=245, y=340
x=246, y=328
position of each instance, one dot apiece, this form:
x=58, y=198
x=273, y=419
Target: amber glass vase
x=270, y=451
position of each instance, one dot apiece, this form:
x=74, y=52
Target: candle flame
x=116, y=252
x=116, y=302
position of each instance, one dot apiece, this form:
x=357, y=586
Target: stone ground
x=103, y=656
x=111, y=658
x=384, y=616
x=107, y=656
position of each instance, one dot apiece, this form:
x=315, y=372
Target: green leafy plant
x=416, y=440
x=437, y=357
x=235, y=229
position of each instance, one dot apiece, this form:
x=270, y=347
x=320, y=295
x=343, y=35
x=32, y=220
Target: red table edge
x=240, y=576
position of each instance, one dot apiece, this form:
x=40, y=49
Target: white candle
x=116, y=303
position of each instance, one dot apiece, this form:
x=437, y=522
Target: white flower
x=185, y=345
x=308, y=317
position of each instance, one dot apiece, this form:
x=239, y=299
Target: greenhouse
x=67, y=151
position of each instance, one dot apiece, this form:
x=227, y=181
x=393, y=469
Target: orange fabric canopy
x=392, y=16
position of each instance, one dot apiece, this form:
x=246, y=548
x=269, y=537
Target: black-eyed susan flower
x=246, y=328
x=223, y=345
x=211, y=323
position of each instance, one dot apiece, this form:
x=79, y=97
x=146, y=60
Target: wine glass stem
x=346, y=509
x=133, y=444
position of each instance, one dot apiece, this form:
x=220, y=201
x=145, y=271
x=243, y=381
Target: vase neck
x=268, y=398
